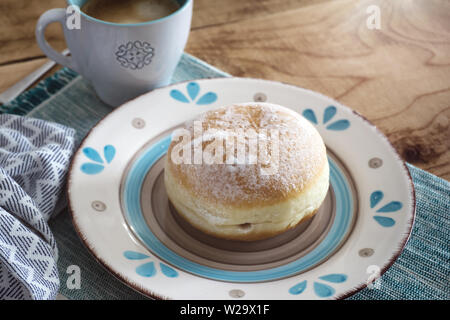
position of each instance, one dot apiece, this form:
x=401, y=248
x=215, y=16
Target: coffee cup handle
x=48, y=17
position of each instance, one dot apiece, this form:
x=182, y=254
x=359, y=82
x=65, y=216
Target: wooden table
x=397, y=76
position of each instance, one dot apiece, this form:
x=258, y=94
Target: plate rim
x=153, y=295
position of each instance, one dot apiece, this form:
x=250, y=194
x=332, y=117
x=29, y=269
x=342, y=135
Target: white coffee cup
x=121, y=61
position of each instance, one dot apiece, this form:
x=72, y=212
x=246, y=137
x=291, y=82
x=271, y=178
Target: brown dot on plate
x=138, y=123
x=260, y=97
x=375, y=163
x=98, y=206
x=236, y=293
x=366, y=252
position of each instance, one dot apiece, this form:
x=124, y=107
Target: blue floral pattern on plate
x=392, y=206
x=328, y=114
x=98, y=164
x=193, y=90
x=148, y=268
x=321, y=289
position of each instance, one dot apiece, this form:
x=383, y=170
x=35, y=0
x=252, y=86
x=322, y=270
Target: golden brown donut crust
x=301, y=157
x=251, y=236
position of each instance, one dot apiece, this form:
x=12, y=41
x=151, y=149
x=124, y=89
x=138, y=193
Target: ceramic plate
x=120, y=207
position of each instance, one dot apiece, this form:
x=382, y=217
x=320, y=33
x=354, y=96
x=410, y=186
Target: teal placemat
x=421, y=272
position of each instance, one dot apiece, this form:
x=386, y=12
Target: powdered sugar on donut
x=298, y=156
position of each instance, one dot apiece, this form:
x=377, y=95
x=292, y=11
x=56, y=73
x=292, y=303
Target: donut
x=224, y=186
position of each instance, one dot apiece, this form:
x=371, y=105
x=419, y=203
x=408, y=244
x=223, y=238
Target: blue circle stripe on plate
x=132, y=205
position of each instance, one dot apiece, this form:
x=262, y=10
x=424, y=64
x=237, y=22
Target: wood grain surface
x=397, y=76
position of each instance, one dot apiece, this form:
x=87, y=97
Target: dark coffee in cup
x=129, y=11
